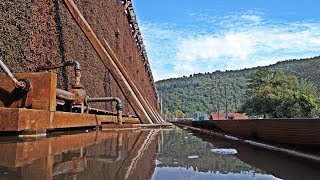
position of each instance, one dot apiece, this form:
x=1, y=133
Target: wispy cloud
x=233, y=41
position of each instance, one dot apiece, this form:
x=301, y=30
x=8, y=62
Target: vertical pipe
x=119, y=116
x=119, y=139
x=225, y=98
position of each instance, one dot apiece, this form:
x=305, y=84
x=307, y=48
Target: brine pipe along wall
x=43, y=32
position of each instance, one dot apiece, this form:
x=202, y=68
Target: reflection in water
x=234, y=160
x=278, y=164
x=92, y=155
x=175, y=161
x=144, y=154
x=180, y=173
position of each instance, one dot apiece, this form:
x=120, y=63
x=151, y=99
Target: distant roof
x=220, y=116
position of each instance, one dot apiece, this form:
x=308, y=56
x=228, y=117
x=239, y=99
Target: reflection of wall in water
x=64, y=158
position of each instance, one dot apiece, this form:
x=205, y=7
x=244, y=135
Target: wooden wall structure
x=43, y=32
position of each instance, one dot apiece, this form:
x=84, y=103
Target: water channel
x=144, y=154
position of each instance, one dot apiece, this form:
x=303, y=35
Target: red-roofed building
x=231, y=116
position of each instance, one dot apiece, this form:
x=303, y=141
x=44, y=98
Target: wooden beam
x=152, y=113
x=109, y=63
x=21, y=119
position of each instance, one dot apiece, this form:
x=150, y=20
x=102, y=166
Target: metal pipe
x=77, y=70
x=108, y=99
x=61, y=102
x=65, y=95
x=8, y=72
x=74, y=63
x=23, y=84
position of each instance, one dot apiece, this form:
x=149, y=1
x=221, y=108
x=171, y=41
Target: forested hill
x=205, y=92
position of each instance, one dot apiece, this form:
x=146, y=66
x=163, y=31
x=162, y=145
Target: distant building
x=201, y=116
x=230, y=116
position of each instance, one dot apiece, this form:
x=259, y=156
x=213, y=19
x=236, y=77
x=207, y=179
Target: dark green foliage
x=205, y=92
x=278, y=95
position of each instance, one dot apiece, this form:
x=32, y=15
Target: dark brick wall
x=43, y=32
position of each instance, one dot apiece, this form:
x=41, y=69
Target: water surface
x=144, y=154
x=186, y=156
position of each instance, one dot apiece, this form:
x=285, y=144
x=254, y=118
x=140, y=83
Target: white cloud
x=253, y=18
x=243, y=45
x=210, y=48
x=234, y=41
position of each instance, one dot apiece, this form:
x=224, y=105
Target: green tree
x=205, y=91
x=179, y=114
x=278, y=95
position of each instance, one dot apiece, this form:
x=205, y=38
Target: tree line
x=182, y=97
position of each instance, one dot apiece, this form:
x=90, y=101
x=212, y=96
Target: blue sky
x=192, y=36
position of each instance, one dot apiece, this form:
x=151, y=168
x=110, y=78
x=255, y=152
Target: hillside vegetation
x=274, y=94
x=205, y=91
